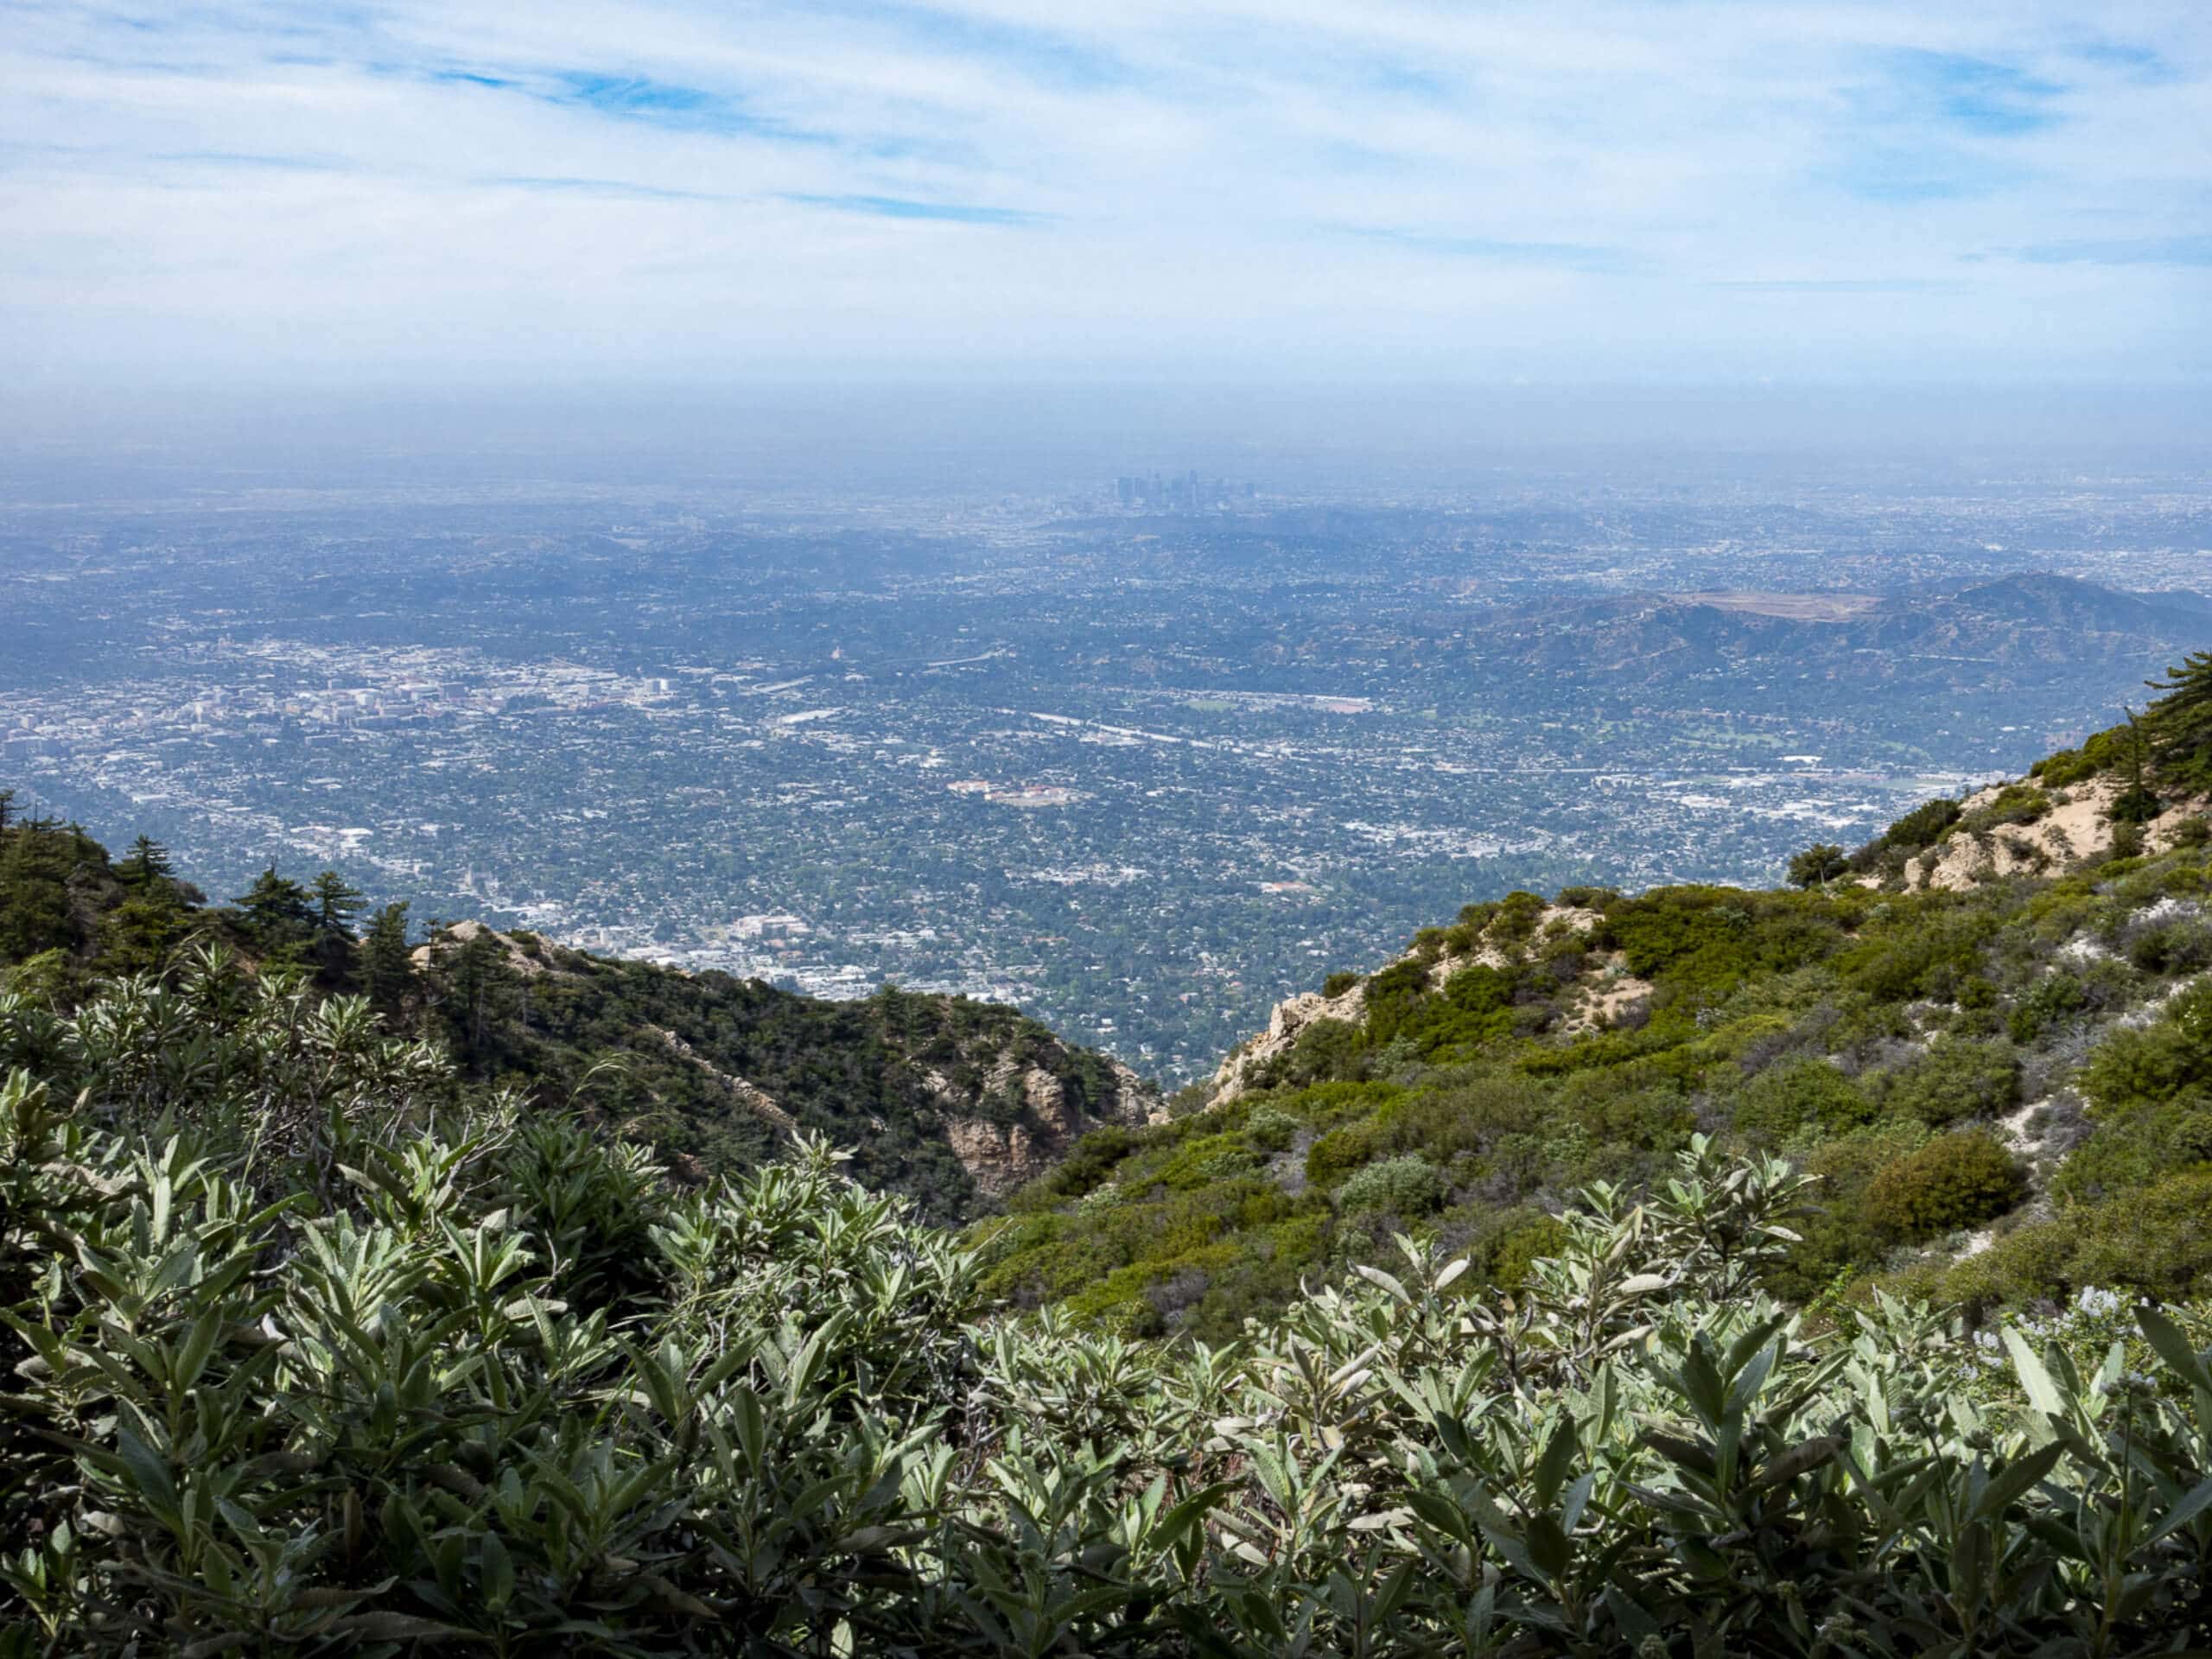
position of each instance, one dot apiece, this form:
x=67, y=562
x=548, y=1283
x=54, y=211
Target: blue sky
x=1730, y=190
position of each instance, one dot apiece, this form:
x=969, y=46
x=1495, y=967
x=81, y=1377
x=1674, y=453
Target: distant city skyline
x=350, y=199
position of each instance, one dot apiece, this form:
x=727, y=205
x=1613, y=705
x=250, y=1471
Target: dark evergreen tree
x=387, y=964
x=482, y=986
x=1818, y=865
x=140, y=935
x=278, y=914
x=37, y=912
x=2137, y=803
x=2179, y=722
x=337, y=902
x=146, y=862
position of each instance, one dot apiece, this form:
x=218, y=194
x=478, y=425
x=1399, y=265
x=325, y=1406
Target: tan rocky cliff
x=2075, y=830
x=1002, y=1155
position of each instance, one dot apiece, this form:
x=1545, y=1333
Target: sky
x=1365, y=193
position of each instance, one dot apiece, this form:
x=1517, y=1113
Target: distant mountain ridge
x=2035, y=619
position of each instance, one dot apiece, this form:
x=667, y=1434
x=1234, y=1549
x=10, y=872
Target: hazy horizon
x=917, y=439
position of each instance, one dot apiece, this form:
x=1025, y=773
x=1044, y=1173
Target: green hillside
x=1985, y=1032
x=943, y=1099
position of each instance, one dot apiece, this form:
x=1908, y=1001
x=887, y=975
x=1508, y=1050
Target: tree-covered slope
x=1986, y=1032
x=947, y=1100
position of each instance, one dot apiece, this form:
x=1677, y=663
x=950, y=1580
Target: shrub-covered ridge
x=946, y=1100
x=1992, y=1051
x=2019, y=1070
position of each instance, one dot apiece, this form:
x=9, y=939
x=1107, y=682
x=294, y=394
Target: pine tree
x=337, y=902
x=387, y=965
x=1818, y=865
x=2136, y=804
x=35, y=913
x=2179, y=722
x=482, y=981
x=279, y=913
x=147, y=861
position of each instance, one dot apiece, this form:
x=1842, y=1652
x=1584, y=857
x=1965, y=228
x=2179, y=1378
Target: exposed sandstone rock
x=1292, y=1017
x=1000, y=1156
x=1285, y=1026
x=529, y=964
x=2074, y=831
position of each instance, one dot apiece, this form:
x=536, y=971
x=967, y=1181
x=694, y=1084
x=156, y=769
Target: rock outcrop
x=2075, y=829
x=752, y=1097
x=1286, y=1025
x=1609, y=991
x=1002, y=1153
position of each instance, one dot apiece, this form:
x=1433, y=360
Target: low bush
x=1954, y=1181
x=1408, y=1187
x=1786, y=1099
x=1955, y=1080
x=413, y=1376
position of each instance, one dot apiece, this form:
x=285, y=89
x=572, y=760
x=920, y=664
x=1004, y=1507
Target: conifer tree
x=337, y=902
x=2137, y=803
x=2180, y=722
x=481, y=982
x=278, y=912
x=387, y=964
x=147, y=861
x=36, y=914
x=1818, y=865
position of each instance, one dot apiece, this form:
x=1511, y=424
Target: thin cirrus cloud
x=1390, y=188
x=1559, y=256
x=611, y=189
x=1842, y=284
x=1933, y=126
x=643, y=99
x=2188, y=250
x=951, y=212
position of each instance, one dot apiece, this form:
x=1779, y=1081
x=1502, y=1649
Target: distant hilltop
x=1958, y=635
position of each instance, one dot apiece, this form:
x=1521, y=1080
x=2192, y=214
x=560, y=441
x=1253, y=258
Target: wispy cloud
x=1981, y=96
x=658, y=103
x=956, y=213
x=1046, y=56
x=1840, y=284
x=1565, y=256
x=2189, y=249
x=1924, y=126
x=233, y=158
x=2144, y=65
x=610, y=188
x=1928, y=172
